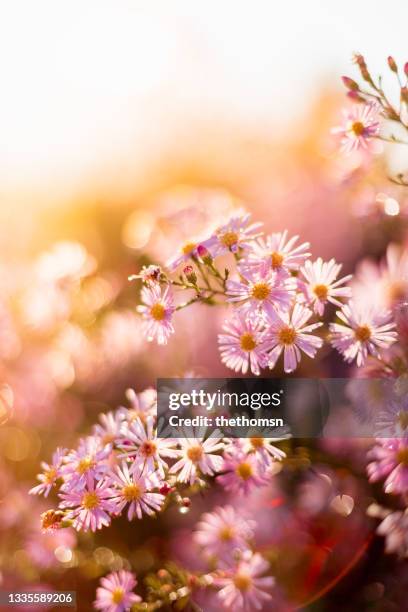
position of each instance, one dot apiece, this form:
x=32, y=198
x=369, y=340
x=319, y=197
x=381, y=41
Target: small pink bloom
x=136, y=488
x=115, y=593
x=237, y=234
x=148, y=274
x=243, y=588
x=277, y=254
x=395, y=529
x=197, y=456
x=364, y=331
x=360, y=128
x=157, y=311
x=321, y=286
x=243, y=346
x=50, y=474
x=91, y=507
x=289, y=333
x=390, y=461
x=81, y=466
x=259, y=293
x=242, y=472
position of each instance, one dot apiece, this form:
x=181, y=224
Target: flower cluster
x=124, y=467
x=278, y=296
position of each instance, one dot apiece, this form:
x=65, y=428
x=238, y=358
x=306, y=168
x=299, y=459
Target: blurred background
x=126, y=128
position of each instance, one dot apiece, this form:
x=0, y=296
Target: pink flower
x=391, y=461
x=260, y=293
x=264, y=450
x=365, y=331
x=91, y=507
x=115, y=593
x=242, y=473
x=142, y=405
x=50, y=474
x=223, y=532
x=187, y=252
x=290, y=334
x=140, y=443
x=148, y=274
x=243, y=346
x=157, y=311
x=84, y=464
x=109, y=429
x=197, y=456
x=361, y=125
x=321, y=286
x=395, y=529
x=243, y=588
x=237, y=234
x=277, y=254
x=135, y=488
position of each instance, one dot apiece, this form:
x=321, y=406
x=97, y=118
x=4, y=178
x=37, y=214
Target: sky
x=88, y=84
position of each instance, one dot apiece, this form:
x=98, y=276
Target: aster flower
x=243, y=346
x=85, y=464
x=186, y=252
x=115, y=593
x=148, y=274
x=110, y=427
x=243, y=588
x=276, y=253
x=390, y=461
x=157, y=311
x=91, y=507
x=140, y=443
x=394, y=528
x=237, y=234
x=242, y=472
x=197, y=456
x=142, y=405
x=259, y=293
x=264, y=450
x=223, y=532
x=321, y=285
x=289, y=333
x=135, y=487
x=50, y=474
x=360, y=127
x=392, y=420
x=365, y=331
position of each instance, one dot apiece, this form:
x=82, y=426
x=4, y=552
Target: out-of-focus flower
x=198, y=456
x=242, y=347
x=365, y=330
x=187, y=252
x=360, y=127
x=42, y=547
x=242, y=472
x=50, y=474
x=157, y=312
x=139, y=441
x=258, y=294
x=237, y=234
x=142, y=405
x=223, y=532
x=64, y=261
x=395, y=529
x=264, y=450
x=243, y=588
x=321, y=285
x=91, y=507
x=115, y=593
x=289, y=333
x=390, y=461
x=135, y=487
x=276, y=253
x=392, y=421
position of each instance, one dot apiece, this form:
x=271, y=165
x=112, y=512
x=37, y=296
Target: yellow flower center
x=158, y=312
x=242, y=582
x=85, y=464
x=247, y=342
x=148, y=448
x=229, y=239
x=90, y=500
x=403, y=419
x=226, y=533
x=244, y=470
x=188, y=248
x=260, y=291
x=195, y=453
x=287, y=335
x=358, y=128
x=276, y=260
x=321, y=291
x=131, y=492
x=117, y=596
x=402, y=456
x=50, y=475
x=362, y=333
x=256, y=442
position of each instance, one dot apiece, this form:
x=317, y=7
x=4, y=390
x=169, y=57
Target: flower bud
x=353, y=95
x=190, y=274
x=391, y=63
x=404, y=94
x=204, y=254
x=406, y=69
x=349, y=83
